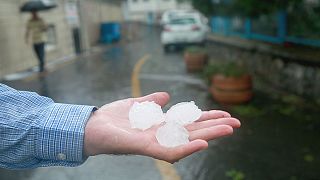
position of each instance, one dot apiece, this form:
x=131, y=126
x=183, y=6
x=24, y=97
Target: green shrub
x=195, y=50
x=228, y=69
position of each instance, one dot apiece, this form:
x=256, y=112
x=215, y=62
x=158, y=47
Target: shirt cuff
x=60, y=134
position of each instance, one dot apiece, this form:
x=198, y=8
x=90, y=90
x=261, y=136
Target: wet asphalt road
x=103, y=77
x=277, y=140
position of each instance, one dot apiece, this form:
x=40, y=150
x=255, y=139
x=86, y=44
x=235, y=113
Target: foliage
x=228, y=69
x=308, y=25
x=204, y=6
x=248, y=110
x=254, y=8
x=235, y=175
x=308, y=158
x=195, y=50
x=251, y=8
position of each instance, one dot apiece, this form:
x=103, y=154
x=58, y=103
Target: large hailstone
x=183, y=113
x=172, y=134
x=146, y=114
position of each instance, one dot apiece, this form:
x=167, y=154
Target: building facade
x=150, y=11
x=69, y=15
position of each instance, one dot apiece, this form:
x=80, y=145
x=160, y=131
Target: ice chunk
x=172, y=135
x=183, y=113
x=146, y=114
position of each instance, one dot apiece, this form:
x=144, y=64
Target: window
x=182, y=21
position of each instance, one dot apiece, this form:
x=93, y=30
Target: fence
x=272, y=28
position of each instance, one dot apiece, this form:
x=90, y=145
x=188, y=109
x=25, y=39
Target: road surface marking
x=167, y=170
x=136, y=91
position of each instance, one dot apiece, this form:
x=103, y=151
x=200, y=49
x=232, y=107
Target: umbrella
x=36, y=6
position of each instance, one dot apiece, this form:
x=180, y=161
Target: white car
x=189, y=28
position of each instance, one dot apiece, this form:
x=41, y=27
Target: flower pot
x=231, y=90
x=195, y=61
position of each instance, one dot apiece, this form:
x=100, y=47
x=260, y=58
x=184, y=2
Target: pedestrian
x=35, y=131
x=36, y=27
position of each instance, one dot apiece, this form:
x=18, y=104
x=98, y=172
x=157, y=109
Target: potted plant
x=229, y=82
x=195, y=58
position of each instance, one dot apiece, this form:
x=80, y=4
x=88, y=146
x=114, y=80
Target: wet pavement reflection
x=278, y=138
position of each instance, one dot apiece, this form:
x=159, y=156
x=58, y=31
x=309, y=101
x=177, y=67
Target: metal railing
x=272, y=28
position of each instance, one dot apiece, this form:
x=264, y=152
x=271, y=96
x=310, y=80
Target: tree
x=204, y=6
x=251, y=8
x=254, y=8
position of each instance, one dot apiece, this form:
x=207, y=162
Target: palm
x=113, y=132
x=117, y=123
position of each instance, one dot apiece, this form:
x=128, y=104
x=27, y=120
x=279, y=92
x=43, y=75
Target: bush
x=195, y=50
x=228, y=69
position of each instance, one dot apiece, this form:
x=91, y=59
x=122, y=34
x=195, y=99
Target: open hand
x=108, y=131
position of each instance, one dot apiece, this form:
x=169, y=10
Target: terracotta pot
x=195, y=61
x=231, y=90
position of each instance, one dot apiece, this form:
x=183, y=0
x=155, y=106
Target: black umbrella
x=36, y=6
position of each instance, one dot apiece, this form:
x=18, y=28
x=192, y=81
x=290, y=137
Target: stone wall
x=283, y=73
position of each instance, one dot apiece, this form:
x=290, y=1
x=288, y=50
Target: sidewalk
x=52, y=65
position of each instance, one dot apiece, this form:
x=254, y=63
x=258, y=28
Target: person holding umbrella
x=36, y=27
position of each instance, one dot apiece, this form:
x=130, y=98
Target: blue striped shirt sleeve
x=35, y=131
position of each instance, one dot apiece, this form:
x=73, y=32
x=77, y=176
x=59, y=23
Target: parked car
x=187, y=28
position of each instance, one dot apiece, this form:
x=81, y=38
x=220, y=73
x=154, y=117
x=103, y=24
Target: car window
x=182, y=21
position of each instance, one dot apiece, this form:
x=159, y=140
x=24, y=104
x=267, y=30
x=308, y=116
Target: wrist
x=89, y=147
x=60, y=137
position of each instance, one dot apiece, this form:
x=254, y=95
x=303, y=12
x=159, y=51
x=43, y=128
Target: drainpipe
x=85, y=45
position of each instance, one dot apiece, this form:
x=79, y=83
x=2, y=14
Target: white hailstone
x=183, y=113
x=172, y=135
x=145, y=114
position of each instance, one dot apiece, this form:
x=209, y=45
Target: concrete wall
x=15, y=54
x=93, y=13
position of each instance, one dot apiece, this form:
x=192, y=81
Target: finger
x=175, y=154
x=233, y=122
x=211, y=133
x=161, y=98
x=213, y=114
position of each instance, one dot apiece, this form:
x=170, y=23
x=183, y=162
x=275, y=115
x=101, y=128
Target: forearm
x=38, y=132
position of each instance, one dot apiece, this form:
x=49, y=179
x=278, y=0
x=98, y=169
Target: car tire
x=203, y=43
x=166, y=48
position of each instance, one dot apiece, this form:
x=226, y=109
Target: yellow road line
x=135, y=83
x=167, y=170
